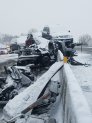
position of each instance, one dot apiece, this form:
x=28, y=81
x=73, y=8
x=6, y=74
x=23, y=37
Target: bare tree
x=85, y=39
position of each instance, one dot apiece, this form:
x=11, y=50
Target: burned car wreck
x=34, y=55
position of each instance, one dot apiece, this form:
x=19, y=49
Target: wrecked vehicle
x=38, y=102
x=68, y=39
x=64, y=44
x=27, y=71
x=12, y=84
x=34, y=55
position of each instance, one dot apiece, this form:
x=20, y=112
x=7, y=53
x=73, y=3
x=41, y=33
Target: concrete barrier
x=75, y=106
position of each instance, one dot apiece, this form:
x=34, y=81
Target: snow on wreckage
x=17, y=79
x=37, y=53
x=39, y=90
x=14, y=76
x=12, y=83
x=14, y=79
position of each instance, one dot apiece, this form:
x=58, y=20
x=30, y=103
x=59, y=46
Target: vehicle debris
x=33, y=55
x=47, y=91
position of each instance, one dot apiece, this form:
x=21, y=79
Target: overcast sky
x=18, y=16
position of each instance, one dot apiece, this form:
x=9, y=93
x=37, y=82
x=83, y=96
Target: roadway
x=87, y=50
x=84, y=74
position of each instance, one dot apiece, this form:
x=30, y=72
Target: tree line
x=86, y=40
x=6, y=38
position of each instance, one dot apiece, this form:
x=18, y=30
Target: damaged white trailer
x=59, y=91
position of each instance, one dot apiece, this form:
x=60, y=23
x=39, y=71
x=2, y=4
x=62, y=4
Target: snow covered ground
x=83, y=75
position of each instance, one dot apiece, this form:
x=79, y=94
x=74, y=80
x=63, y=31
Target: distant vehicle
x=46, y=33
x=3, y=51
x=14, y=47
